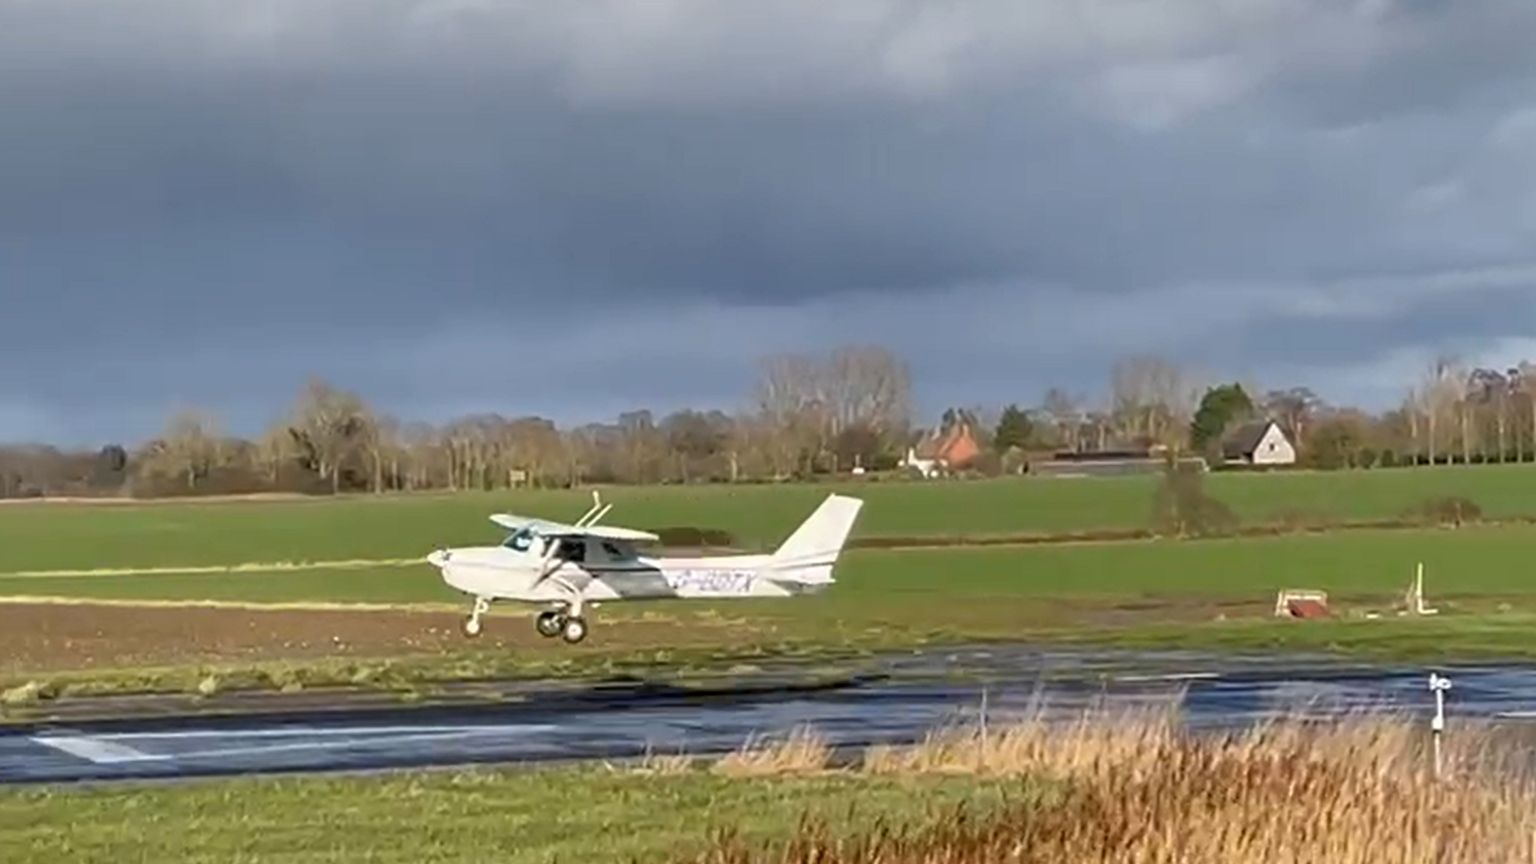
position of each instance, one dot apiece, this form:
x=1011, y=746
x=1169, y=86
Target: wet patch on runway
x=901, y=698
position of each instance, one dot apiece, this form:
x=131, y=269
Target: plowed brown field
x=40, y=637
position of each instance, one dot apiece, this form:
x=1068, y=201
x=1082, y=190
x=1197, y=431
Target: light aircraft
x=569, y=567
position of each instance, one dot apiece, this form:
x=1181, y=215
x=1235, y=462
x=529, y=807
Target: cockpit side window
x=573, y=550
x=613, y=551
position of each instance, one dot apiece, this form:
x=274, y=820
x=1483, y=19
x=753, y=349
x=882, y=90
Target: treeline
x=811, y=415
x=1456, y=414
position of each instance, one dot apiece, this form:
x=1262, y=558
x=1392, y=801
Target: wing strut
x=590, y=516
x=595, y=513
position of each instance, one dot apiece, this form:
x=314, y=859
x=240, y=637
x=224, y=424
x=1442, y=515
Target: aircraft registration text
x=711, y=581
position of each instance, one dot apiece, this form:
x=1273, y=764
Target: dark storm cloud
x=580, y=208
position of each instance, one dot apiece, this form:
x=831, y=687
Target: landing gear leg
x=472, y=625
x=574, y=628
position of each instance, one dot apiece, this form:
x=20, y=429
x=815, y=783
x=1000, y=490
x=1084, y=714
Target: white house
x=1262, y=443
x=924, y=467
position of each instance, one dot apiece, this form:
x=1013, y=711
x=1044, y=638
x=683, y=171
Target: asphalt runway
x=904, y=697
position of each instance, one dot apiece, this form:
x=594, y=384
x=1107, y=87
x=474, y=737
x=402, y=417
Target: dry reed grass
x=1136, y=789
x=658, y=764
x=1035, y=746
x=803, y=751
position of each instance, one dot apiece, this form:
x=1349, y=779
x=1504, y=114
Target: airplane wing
x=546, y=528
x=514, y=522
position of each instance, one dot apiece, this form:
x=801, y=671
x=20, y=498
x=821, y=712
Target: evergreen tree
x=1014, y=429
x=1219, y=410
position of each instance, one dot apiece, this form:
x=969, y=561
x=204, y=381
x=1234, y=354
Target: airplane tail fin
x=810, y=552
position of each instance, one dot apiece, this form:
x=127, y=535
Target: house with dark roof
x=1260, y=443
x=1110, y=463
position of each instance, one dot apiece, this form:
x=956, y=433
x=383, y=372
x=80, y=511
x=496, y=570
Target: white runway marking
x=261, y=749
x=93, y=749
x=1172, y=676
x=208, y=569
x=107, y=749
x=339, y=731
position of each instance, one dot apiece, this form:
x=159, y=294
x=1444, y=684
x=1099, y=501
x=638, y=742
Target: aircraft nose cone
x=438, y=558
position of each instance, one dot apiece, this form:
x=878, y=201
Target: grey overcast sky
x=576, y=208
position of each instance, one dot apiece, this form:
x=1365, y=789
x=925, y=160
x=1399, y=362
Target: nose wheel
x=473, y=626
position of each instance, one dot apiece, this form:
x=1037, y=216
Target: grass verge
x=1130, y=787
x=1139, y=792
x=518, y=817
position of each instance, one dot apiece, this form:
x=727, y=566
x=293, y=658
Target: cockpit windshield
x=521, y=541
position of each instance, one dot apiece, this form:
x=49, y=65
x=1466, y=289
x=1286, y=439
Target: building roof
x=1245, y=439
x=1103, y=455
x=956, y=446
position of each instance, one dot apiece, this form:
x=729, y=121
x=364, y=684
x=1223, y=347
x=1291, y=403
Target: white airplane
x=568, y=567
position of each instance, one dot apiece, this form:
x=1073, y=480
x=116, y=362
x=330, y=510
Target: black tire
x=550, y=624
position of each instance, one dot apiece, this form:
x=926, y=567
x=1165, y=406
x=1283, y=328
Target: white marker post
x=1418, y=593
x=1438, y=686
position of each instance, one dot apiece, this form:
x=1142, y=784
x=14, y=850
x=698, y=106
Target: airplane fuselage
x=499, y=573
x=570, y=567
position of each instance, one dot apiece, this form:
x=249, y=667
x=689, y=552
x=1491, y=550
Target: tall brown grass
x=1137, y=789
x=657, y=764
x=802, y=751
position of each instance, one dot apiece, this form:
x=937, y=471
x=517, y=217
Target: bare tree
x=190, y=448
x=422, y=453
x=1525, y=387
x=1066, y=417
x=537, y=452
x=867, y=386
x=1152, y=400
x=1416, y=413
x=810, y=402
x=274, y=449
x=790, y=400
x=1293, y=409
x=642, y=446
x=1489, y=396
x=1444, y=394
x=755, y=449
x=328, y=424
x=379, y=440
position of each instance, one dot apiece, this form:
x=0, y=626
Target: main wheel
x=574, y=630
x=550, y=623
x=472, y=626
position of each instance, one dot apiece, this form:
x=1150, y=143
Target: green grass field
x=1472, y=560
x=515, y=817
x=1153, y=593
x=61, y=537
x=1162, y=592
